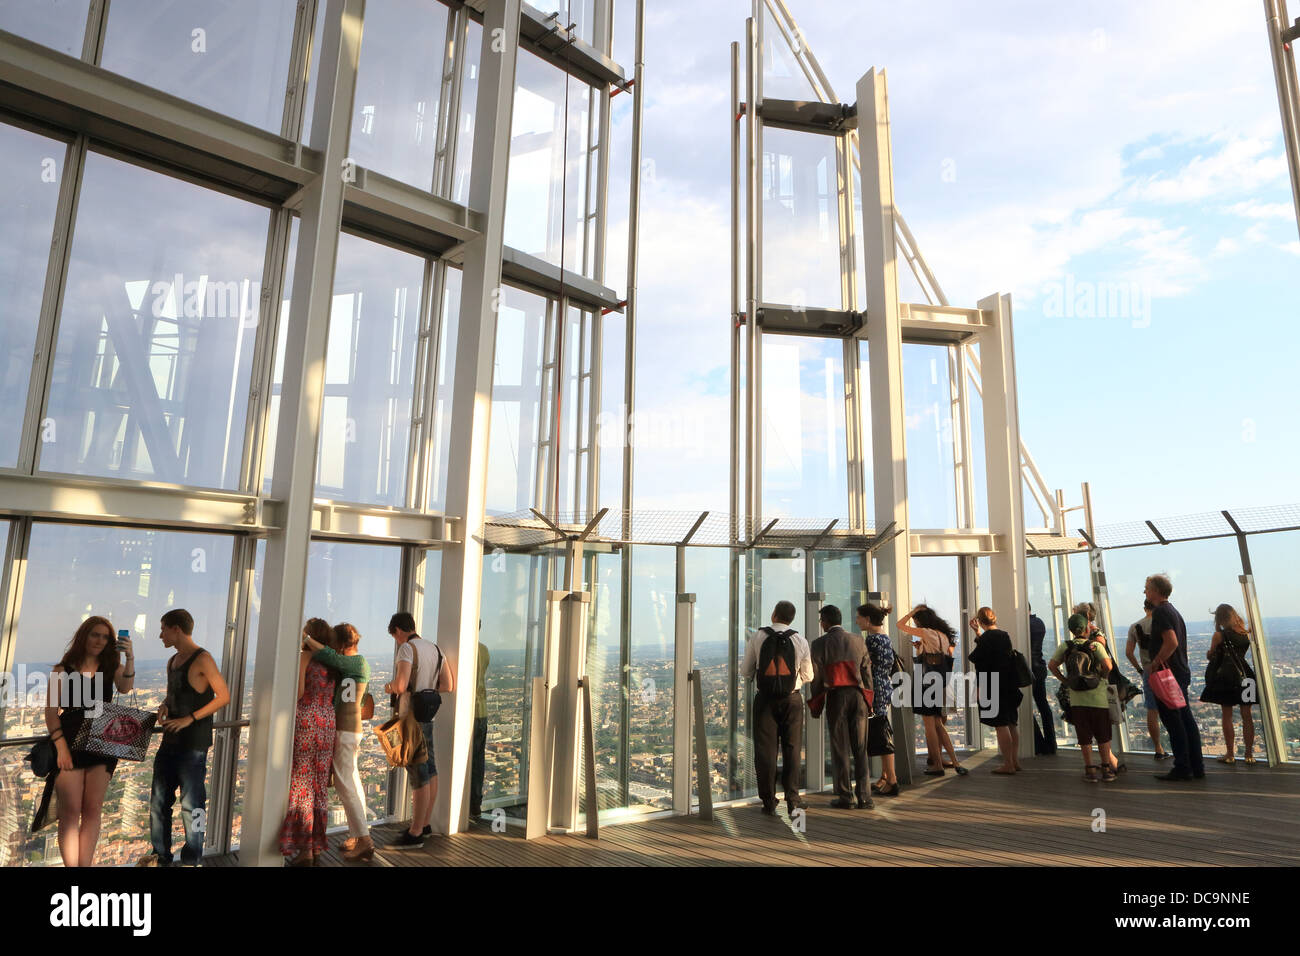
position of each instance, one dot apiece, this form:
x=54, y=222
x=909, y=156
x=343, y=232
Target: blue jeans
x=1184, y=735
x=186, y=770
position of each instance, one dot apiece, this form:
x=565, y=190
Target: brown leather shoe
x=364, y=849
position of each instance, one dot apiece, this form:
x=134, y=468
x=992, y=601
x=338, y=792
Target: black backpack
x=1080, y=668
x=776, y=663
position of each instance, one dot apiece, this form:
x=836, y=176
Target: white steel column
x=1005, y=490
x=471, y=405
x=813, y=601
x=885, y=344
x=298, y=434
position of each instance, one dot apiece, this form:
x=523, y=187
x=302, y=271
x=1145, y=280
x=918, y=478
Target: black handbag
x=425, y=703
x=1024, y=676
x=43, y=757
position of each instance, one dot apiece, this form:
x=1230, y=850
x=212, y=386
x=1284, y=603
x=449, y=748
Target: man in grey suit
x=841, y=678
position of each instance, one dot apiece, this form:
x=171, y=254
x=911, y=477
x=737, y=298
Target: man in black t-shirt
x=1167, y=646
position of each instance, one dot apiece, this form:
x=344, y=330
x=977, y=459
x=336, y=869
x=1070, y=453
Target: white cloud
x=1243, y=164
x=1292, y=247
x=1254, y=209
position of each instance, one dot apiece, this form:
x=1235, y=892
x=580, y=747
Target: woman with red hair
x=92, y=666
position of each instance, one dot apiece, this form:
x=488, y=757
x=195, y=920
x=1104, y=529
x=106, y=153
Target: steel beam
x=471, y=406
x=108, y=108
x=297, y=437
x=885, y=341
x=1005, y=490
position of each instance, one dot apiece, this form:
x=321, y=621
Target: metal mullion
x=460, y=53
x=546, y=401
x=92, y=41
x=580, y=402
x=444, y=139
x=226, y=750
x=417, y=439
x=295, y=95
x=47, y=329
x=261, y=382
x=17, y=543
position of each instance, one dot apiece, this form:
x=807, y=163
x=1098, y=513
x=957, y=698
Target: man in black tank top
x=195, y=691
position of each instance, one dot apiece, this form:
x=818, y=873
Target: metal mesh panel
x=1125, y=533
x=1267, y=518
x=523, y=529
x=1208, y=525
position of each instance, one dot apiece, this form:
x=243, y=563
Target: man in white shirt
x=779, y=661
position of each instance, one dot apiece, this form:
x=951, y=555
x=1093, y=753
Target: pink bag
x=1165, y=686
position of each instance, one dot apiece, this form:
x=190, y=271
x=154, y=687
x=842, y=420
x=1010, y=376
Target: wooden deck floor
x=1237, y=816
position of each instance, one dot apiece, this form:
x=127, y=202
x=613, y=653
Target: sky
x=1101, y=148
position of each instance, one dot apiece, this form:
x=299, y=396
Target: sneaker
x=839, y=804
x=408, y=839
x=427, y=831
x=150, y=859
x=769, y=811
x=867, y=804
x=1163, y=755
x=1107, y=775
x=799, y=803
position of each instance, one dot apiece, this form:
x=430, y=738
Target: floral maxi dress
x=313, y=750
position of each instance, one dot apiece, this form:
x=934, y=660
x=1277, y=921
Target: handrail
x=28, y=741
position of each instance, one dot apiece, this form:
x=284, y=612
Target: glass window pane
x=468, y=108
x=546, y=192
x=707, y=574
x=58, y=24
x=516, y=394
x=610, y=432
x=399, y=89
x=30, y=168
x=370, y=374
x=579, y=13
x=801, y=222
x=1274, y=558
x=443, y=389
x=155, y=344
x=804, y=449
x=359, y=584
x=650, y=687
x=130, y=576
x=230, y=56
x=514, y=625
x=605, y=671
x=931, y=473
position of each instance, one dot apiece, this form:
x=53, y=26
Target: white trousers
x=347, y=782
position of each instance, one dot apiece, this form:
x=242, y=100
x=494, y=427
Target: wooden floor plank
x=1042, y=817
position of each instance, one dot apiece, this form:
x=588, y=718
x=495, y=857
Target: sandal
x=1107, y=775
x=1250, y=760
x=999, y=770
x=961, y=771
x=1228, y=758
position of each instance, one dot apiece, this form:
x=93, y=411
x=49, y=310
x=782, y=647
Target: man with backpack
x=1086, y=665
x=842, y=685
x=778, y=659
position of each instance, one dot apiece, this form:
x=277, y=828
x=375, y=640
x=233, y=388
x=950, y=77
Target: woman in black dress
x=999, y=697
x=1229, y=680
x=92, y=667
